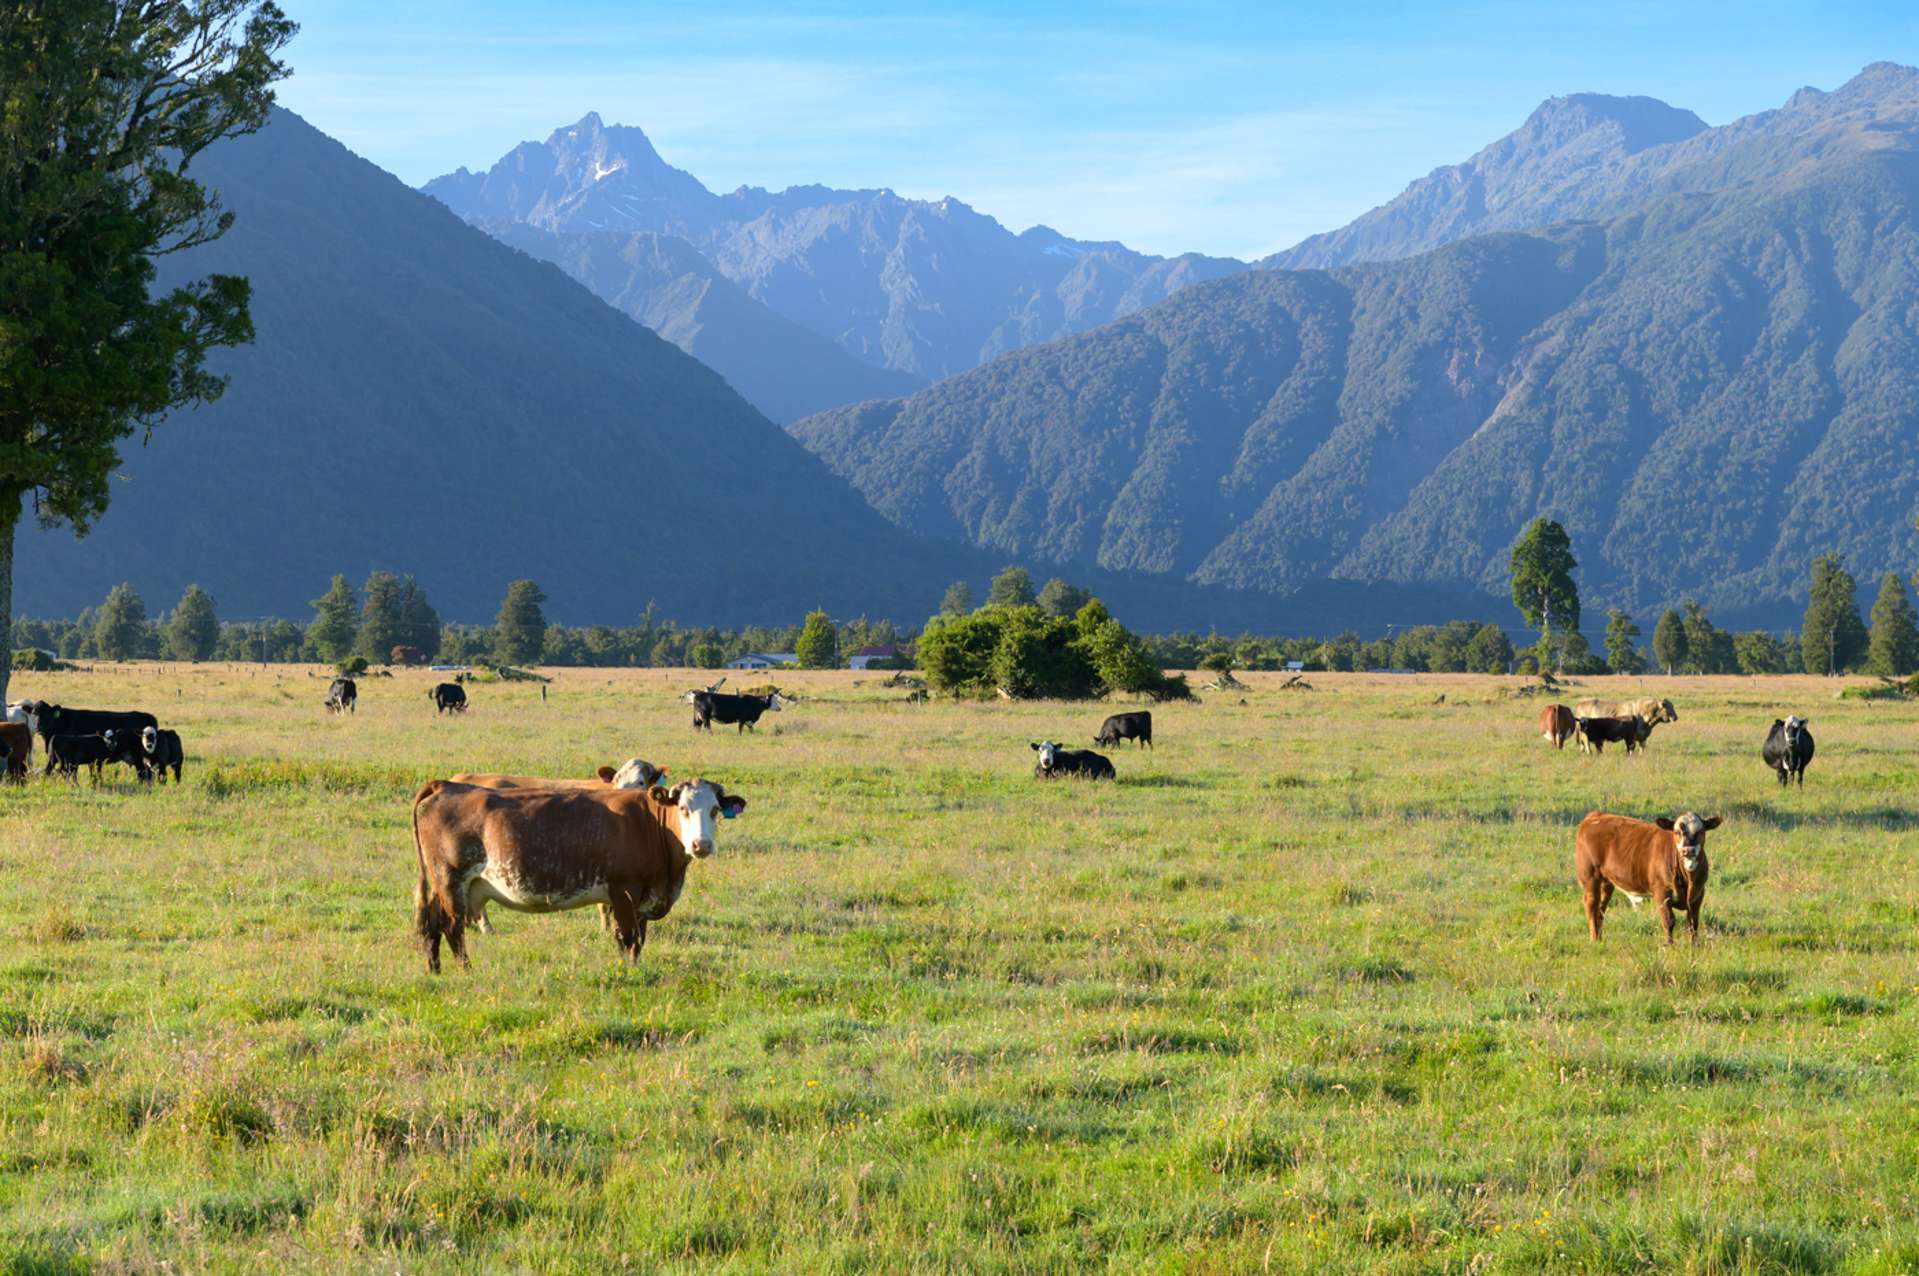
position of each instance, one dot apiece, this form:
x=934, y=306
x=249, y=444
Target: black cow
x=740, y=712
x=68, y=753
x=1597, y=733
x=1126, y=726
x=163, y=752
x=448, y=697
x=1055, y=761
x=50, y=720
x=343, y=694
x=1788, y=749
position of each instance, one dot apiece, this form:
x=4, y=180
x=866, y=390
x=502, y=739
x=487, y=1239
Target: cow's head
x=700, y=804
x=37, y=710
x=1666, y=712
x=149, y=739
x=1689, y=835
x=776, y=702
x=1048, y=753
x=1795, y=727
x=637, y=773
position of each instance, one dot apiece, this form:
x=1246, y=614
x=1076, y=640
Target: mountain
x=1531, y=177
x=424, y=399
x=1709, y=383
x=925, y=288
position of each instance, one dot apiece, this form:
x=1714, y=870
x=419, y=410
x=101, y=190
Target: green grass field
x=1308, y=989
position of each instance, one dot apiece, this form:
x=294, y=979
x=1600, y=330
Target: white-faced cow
x=547, y=850
x=1664, y=861
x=342, y=696
x=163, y=753
x=1056, y=760
x=1788, y=749
x=1126, y=726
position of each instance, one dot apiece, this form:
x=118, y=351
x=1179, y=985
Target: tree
x=1758, y=652
x=1833, y=637
x=1490, y=651
x=106, y=104
x=419, y=623
x=1709, y=649
x=333, y=627
x=120, y=631
x=382, y=618
x=958, y=599
x=1013, y=587
x=519, y=632
x=1669, y=641
x=1893, y=649
x=819, y=644
x=1543, y=588
x=193, y=631
x=1057, y=598
x=1622, y=644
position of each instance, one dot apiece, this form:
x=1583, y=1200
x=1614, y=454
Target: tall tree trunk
x=9, y=519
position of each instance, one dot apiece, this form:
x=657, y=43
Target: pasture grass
x=1307, y=989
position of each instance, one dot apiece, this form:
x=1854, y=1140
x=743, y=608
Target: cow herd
x=89, y=739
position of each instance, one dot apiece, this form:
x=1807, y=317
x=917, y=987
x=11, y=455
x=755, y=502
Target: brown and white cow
x=548, y=850
x=1556, y=724
x=1664, y=861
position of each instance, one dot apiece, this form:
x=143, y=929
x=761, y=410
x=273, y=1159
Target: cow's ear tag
x=731, y=813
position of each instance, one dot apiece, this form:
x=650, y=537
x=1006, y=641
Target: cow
x=342, y=696
x=406, y=656
x=547, y=850
x=68, y=753
x=1126, y=726
x=636, y=773
x=16, y=749
x=740, y=712
x=1664, y=861
x=163, y=753
x=17, y=712
x=1056, y=760
x=1788, y=749
x=1647, y=710
x=1596, y=733
x=1556, y=723
x=448, y=697
x=49, y=720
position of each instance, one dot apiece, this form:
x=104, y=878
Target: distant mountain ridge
x=1707, y=367
x=926, y=288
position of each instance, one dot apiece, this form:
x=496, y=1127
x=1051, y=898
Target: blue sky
x=1235, y=129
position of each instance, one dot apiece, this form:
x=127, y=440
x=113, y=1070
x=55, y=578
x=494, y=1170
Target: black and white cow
x=1056, y=760
x=68, y=753
x=448, y=697
x=1136, y=726
x=50, y=720
x=342, y=695
x=740, y=712
x=163, y=752
x=1788, y=749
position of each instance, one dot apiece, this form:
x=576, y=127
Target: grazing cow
x=163, y=753
x=546, y=850
x=448, y=697
x=1126, y=726
x=343, y=695
x=1664, y=861
x=1596, y=733
x=68, y=753
x=740, y=712
x=49, y=720
x=16, y=749
x=1788, y=749
x=1057, y=760
x=1556, y=723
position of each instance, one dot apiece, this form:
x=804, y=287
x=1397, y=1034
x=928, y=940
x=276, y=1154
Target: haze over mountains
x=1711, y=379
x=923, y=289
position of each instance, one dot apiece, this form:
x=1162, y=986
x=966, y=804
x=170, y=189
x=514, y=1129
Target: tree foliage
x=519, y=632
x=1893, y=648
x=193, y=630
x=120, y=630
x=958, y=599
x=1013, y=587
x=1833, y=637
x=819, y=644
x=334, y=623
x=105, y=105
x=1622, y=644
x=1057, y=598
x=1542, y=578
x=1669, y=641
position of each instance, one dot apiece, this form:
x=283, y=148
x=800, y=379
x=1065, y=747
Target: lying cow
x=740, y=712
x=1056, y=760
x=342, y=696
x=1557, y=724
x=66, y=754
x=448, y=697
x=1664, y=861
x=1788, y=749
x=1126, y=726
x=163, y=753
x=16, y=738
x=547, y=850
x=1596, y=733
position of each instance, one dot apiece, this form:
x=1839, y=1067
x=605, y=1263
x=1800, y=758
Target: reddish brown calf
x=1663, y=861
x=1556, y=724
x=17, y=739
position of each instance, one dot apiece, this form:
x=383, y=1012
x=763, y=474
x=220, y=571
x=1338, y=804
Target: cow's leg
x=1692, y=918
x=629, y=930
x=606, y=917
x=456, y=939
x=1665, y=915
x=1598, y=892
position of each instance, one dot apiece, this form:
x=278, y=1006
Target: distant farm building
x=763, y=660
x=865, y=656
